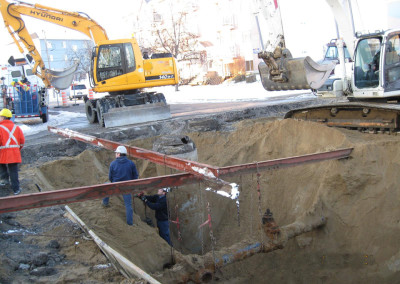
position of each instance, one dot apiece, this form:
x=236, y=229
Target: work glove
x=139, y=195
x=144, y=199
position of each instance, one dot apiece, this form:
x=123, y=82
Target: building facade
x=59, y=54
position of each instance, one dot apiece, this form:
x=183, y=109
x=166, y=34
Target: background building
x=215, y=36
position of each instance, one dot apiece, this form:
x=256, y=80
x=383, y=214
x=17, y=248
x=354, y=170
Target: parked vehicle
x=78, y=91
x=21, y=92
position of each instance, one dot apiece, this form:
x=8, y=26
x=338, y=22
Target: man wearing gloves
x=158, y=202
x=122, y=169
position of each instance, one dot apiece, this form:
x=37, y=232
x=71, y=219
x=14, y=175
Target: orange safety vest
x=11, y=142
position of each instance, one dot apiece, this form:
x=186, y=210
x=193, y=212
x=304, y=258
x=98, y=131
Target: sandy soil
x=358, y=196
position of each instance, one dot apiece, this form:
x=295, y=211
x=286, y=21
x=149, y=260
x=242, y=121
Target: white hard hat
x=121, y=149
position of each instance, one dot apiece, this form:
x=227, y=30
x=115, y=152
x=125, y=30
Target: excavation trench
x=350, y=195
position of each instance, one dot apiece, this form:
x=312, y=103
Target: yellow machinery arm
x=11, y=13
x=129, y=72
x=117, y=67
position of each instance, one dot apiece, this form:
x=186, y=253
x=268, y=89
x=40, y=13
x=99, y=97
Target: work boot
x=4, y=182
x=105, y=205
x=17, y=192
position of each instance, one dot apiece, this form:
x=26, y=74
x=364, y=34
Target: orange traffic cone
x=64, y=98
x=90, y=94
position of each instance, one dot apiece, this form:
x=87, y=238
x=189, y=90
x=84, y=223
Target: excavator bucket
x=62, y=79
x=301, y=73
x=136, y=114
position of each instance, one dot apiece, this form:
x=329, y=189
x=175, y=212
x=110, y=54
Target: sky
x=314, y=24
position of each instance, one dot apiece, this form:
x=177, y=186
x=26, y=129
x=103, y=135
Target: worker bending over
x=158, y=202
x=12, y=140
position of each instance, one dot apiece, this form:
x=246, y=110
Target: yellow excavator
x=118, y=68
x=368, y=97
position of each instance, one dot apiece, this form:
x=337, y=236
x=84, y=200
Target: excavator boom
x=374, y=74
x=11, y=13
x=118, y=68
x=280, y=71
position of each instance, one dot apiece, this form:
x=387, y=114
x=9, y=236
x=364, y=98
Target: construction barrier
x=64, y=98
x=90, y=94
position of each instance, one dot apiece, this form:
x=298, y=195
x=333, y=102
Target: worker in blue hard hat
x=122, y=169
x=12, y=140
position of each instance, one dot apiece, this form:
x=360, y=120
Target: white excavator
x=370, y=92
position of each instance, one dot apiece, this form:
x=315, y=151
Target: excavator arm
x=280, y=71
x=11, y=13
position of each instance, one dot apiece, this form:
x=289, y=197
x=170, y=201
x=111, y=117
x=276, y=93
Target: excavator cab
x=377, y=65
x=118, y=66
x=367, y=61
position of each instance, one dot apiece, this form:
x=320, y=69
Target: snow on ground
x=33, y=126
x=226, y=92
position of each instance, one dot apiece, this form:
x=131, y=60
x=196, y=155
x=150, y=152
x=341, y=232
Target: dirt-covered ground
x=359, y=198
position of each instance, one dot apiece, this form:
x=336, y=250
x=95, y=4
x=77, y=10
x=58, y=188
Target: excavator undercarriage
x=368, y=117
x=124, y=109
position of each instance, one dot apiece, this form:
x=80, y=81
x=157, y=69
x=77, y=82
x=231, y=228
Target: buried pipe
x=202, y=268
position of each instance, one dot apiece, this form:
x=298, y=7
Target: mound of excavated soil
x=359, y=197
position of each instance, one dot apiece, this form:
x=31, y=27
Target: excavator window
x=392, y=64
x=366, y=66
x=114, y=60
x=109, y=62
x=130, y=58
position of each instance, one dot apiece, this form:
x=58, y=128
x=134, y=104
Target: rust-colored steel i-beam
x=72, y=195
x=195, y=168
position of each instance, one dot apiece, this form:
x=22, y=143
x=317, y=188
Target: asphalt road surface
x=183, y=111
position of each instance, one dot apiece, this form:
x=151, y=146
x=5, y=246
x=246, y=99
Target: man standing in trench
x=122, y=169
x=158, y=202
x=12, y=140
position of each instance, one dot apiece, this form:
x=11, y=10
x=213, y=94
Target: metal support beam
x=66, y=196
x=195, y=168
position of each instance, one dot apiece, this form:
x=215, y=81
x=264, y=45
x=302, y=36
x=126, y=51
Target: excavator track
x=369, y=117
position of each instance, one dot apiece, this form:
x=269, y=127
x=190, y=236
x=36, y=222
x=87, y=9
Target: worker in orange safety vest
x=11, y=142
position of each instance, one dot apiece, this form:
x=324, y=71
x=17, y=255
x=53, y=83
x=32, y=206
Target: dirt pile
x=359, y=198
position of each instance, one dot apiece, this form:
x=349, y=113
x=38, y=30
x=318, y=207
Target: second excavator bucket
x=136, y=114
x=62, y=80
x=300, y=73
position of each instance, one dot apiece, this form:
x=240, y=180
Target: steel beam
x=285, y=162
x=195, y=168
x=66, y=196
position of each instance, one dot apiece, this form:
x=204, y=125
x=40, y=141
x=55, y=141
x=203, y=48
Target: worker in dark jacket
x=158, y=202
x=11, y=142
x=122, y=169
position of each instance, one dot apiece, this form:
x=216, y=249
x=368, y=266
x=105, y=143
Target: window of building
x=64, y=44
x=65, y=57
x=51, y=57
x=48, y=44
